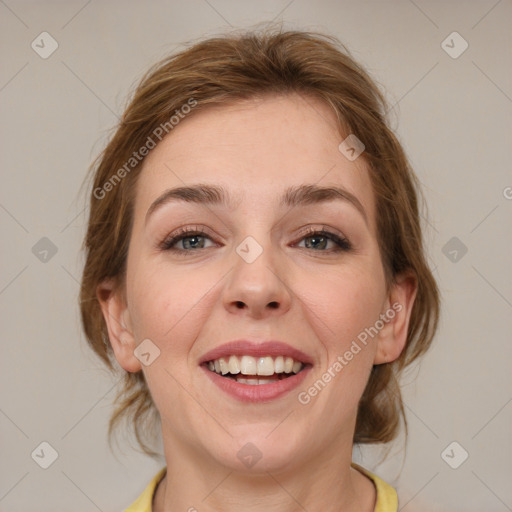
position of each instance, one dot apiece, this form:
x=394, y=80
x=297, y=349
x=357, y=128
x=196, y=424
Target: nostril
x=273, y=305
x=239, y=304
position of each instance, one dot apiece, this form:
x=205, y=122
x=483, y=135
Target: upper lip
x=256, y=349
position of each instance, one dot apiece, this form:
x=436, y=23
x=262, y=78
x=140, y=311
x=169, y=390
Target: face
x=274, y=262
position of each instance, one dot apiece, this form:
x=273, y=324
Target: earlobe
x=119, y=326
x=393, y=337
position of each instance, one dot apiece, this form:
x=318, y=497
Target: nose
x=257, y=289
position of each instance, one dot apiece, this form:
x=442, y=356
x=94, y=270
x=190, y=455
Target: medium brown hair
x=245, y=65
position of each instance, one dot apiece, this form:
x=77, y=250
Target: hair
x=245, y=65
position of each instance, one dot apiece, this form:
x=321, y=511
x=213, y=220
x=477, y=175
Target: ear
x=393, y=337
x=117, y=317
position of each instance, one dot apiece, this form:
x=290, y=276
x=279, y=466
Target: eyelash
x=167, y=245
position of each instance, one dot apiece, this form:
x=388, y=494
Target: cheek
x=341, y=306
x=167, y=303
x=346, y=301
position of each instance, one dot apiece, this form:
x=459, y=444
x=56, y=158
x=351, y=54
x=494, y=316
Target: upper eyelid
x=203, y=231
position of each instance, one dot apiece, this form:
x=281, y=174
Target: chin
x=258, y=451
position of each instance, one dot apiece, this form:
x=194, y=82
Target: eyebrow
x=293, y=196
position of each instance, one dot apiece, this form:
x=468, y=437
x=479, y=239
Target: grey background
x=453, y=116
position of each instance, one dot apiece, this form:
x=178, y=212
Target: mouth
x=255, y=371
x=252, y=371
x=256, y=379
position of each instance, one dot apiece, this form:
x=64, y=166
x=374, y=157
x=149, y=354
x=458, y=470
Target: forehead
x=255, y=149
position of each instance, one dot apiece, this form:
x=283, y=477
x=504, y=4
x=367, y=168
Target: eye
x=191, y=239
x=319, y=239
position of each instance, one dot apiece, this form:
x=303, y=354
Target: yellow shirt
x=387, y=500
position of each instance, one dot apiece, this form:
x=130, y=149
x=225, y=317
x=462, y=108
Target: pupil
x=317, y=238
x=187, y=241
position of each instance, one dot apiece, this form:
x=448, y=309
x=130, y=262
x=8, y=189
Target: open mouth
x=255, y=370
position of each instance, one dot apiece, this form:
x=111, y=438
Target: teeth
x=223, y=366
x=253, y=382
x=248, y=365
x=266, y=366
x=234, y=365
x=296, y=366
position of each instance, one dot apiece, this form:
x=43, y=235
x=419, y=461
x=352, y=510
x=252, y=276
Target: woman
x=255, y=266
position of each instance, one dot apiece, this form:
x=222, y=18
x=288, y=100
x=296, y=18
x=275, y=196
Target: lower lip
x=257, y=392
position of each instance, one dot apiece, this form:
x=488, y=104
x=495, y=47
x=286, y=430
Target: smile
x=267, y=388
x=256, y=371
x=251, y=370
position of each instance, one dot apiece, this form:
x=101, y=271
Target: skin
x=314, y=299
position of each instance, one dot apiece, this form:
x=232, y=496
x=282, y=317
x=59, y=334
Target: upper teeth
x=249, y=365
